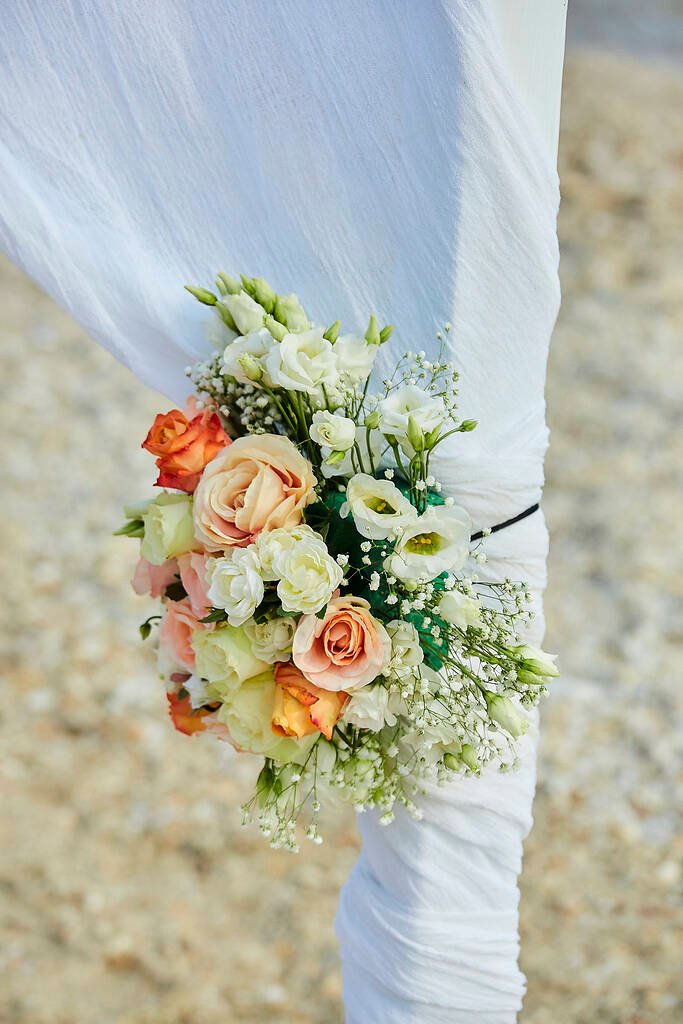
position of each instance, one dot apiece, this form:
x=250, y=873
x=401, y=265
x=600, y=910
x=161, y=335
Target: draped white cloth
x=372, y=155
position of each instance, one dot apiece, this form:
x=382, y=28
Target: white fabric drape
x=372, y=155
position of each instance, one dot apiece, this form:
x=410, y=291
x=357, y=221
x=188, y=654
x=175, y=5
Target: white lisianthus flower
x=460, y=609
x=308, y=576
x=410, y=402
x=248, y=715
x=235, y=584
x=224, y=656
x=355, y=358
x=271, y=543
x=256, y=344
x=504, y=713
x=272, y=640
x=333, y=431
x=169, y=528
x=406, y=650
x=377, y=506
x=345, y=467
x=369, y=708
x=303, y=362
x=438, y=541
x=247, y=314
x=536, y=662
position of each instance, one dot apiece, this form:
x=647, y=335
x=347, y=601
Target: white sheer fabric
x=373, y=156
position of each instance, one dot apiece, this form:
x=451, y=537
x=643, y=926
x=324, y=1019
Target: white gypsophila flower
x=373, y=446
x=303, y=362
x=271, y=543
x=355, y=358
x=333, y=431
x=369, y=708
x=406, y=650
x=247, y=314
x=308, y=576
x=256, y=344
x=460, y=609
x=410, y=402
x=438, y=541
x=272, y=640
x=377, y=506
x=235, y=584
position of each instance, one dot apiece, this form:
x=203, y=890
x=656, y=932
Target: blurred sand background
x=129, y=893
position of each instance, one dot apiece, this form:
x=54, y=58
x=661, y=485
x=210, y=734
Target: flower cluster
x=320, y=604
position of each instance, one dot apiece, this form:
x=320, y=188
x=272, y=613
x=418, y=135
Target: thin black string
x=508, y=522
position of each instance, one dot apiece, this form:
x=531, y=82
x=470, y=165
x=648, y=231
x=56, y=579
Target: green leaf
x=215, y=615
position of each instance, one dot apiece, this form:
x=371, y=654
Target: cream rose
x=437, y=541
x=235, y=584
x=346, y=649
x=369, y=708
x=272, y=544
x=248, y=715
x=260, y=482
x=303, y=362
x=168, y=528
x=272, y=640
x=377, y=506
x=307, y=574
x=225, y=658
x=332, y=431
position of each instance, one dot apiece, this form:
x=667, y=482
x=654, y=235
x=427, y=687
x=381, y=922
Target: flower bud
x=226, y=316
x=415, y=434
x=205, y=296
x=504, y=713
x=467, y=425
x=469, y=758
x=372, y=421
x=263, y=293
x=539, y=663
x=451, y=761
x=289, y=311
x=372, y=334
x=252, y=368
x=275, y=327
x=332, y=332
x=232, y=287
x=385, y=333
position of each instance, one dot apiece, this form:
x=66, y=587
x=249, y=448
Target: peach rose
x=259, y=483
x=192, y=568
x=189, y=720
x=153, y=579
x=184, y=443
x=300, y=708
x=346, y=649
x=175, y=637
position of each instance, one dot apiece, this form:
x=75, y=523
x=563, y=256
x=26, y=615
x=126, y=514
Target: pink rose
x=153, y=579
x=192, y=569
x=260, y=482
x=175, y=637
x=345, y=650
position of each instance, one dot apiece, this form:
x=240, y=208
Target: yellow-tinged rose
x=225, y=657
x=169, y=528
x=248, y=712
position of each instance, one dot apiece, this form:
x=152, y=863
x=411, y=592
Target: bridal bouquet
x=319, y=600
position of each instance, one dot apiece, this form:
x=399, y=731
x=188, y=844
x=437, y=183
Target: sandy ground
x=129, y=893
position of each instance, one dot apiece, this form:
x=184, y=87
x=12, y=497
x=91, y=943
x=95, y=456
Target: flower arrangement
x=319, y=600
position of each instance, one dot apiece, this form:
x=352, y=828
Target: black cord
x=508, y=522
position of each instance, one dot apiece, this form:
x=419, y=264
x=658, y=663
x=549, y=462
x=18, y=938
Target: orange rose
x=184, y=446
x=261, y=482
x=300, y=707
x=344, y=650
x=189, y=720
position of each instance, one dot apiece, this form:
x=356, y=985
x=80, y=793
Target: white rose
x=410, y=401
x=248, y=714
x=257, y=344
x=169, y=528
x=303, y=362
x=308, y=576
x=355, y=358
x=377, y=506
x=406, y=650
x=224, y=656
x=460, y=609
x=271, y=543
x=345, y=466
x=272, y=640
x=334, y=431
x=369, y=708
x=235, y=584
x=246, y=313
x=438, y=541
